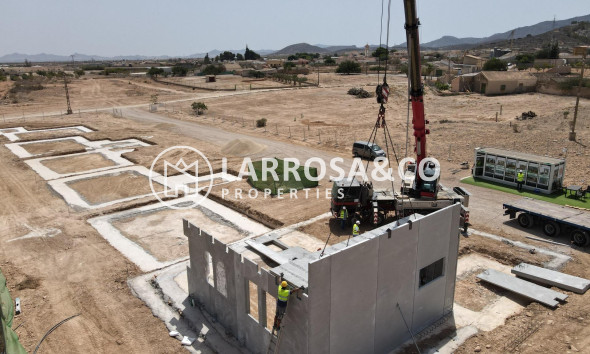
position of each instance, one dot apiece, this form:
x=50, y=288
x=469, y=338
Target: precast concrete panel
x=451, y=264
x=433, y=244
x=320, y=279
x=396, y=282
x=353, y=293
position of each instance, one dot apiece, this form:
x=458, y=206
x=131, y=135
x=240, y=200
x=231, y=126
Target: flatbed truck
x=554, y=219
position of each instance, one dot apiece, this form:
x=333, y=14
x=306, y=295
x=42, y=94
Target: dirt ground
x=77, y=271
x=88, y=92
x=78, y=163
x=328, y=118
x=104, y=189
x=54, y=147
x=166, y=240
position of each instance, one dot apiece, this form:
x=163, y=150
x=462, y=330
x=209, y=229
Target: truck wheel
x=580, y=238
x=551, y=228
x=525, y=220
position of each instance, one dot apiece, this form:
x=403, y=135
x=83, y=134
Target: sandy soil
x=226, y=82
x=459, y=123
x=62, y=133
x=55, y=148
x=89, y=93
x=78, y=163
x=160, y=233
x=106, y=188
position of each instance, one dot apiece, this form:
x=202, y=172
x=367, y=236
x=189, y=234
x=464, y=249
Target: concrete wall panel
x=433, y=244
x=453, y=254
x=353, y=293
x=320, y=276
x=397, y=265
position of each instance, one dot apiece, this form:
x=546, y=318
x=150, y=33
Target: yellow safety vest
x=520, y=177
x=283, y=294
x=343, y=213
x=355, y=230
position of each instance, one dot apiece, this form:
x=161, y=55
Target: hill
x=447, y=42
x=308, y=48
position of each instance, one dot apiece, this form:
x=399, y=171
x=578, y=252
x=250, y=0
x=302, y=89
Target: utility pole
x=67, y=94
x=577, y=51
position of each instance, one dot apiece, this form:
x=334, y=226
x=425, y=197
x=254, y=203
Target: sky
x=184, y=27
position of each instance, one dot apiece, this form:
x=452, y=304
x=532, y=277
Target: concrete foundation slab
x=551, y=277
x=14, y=134
x=522, y=287
x=146, y=260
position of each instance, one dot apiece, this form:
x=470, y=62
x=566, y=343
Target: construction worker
x=355, y=229
x=343, y=217
x=282, y=300
x=519, y=180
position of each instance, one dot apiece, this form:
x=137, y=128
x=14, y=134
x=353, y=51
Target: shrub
x=261, y=123
x=199, y=107
x=359, y=92
x=441, y=86
x=354, y=91
x=348, y=67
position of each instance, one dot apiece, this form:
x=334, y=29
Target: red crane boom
x=417, y=98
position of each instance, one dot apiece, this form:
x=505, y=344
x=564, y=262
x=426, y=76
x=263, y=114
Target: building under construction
x=367, y=294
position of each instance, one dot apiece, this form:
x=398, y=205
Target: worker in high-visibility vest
x=356, y=229
x=343, y=217
x=283, y=294
x=519, y=180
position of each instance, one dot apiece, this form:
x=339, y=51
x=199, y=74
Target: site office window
x=431, y=272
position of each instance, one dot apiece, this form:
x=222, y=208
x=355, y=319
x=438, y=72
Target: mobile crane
x=366, y=204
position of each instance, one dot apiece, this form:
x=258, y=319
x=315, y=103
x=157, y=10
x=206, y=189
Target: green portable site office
x=542, y=174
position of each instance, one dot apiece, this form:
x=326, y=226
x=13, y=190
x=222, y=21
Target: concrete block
x=522, y=287
x=551, y=277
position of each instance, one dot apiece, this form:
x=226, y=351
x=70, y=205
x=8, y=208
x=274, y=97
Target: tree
x=288, y=65
x=239, y=57
x=428, y=69
x=250, y=54
x=179, y=71
x=380, y=53
x=199, y=107
x=229, y=56
x=155, y=71
x=403, y=68
x=347, y=67
x=213, y=69
x=495, y=64
x=207, y=61
x=551, y=51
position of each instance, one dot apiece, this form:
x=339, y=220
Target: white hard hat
x=358, y=222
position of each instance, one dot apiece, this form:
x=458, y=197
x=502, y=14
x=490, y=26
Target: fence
x=335, y=136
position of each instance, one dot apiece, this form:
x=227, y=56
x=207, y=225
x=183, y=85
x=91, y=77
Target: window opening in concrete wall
x=431, y=272
x=221, y=281
x=253, y=300
x=271, y=310
x=209, y=268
